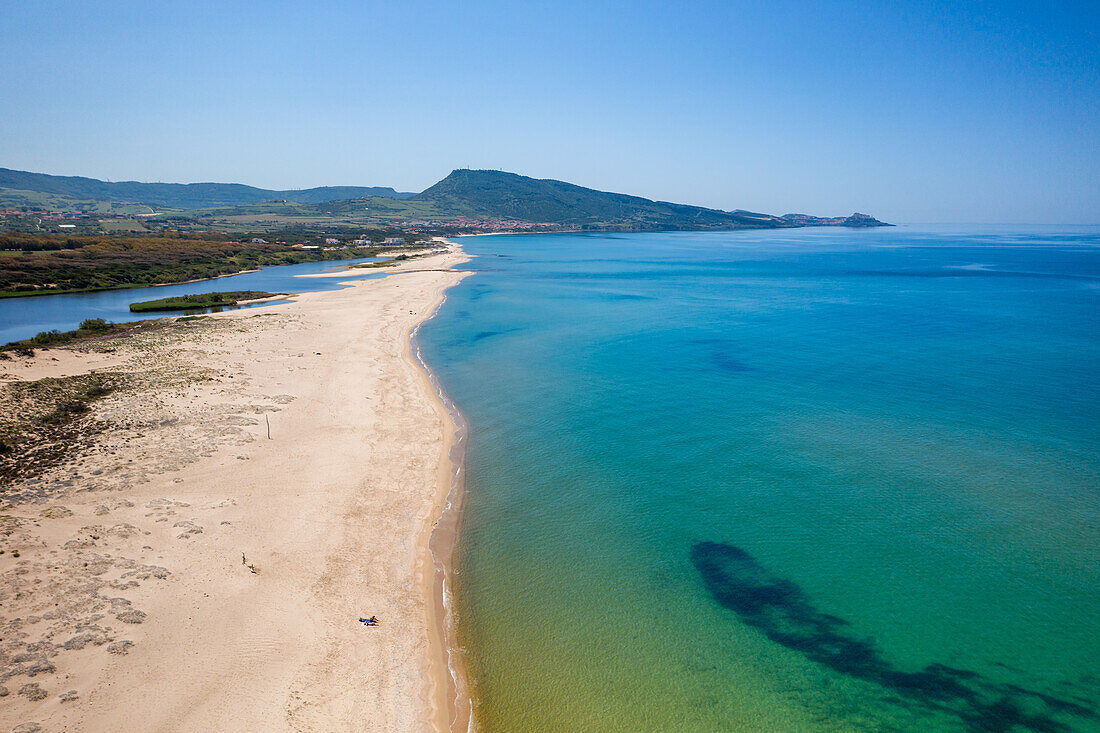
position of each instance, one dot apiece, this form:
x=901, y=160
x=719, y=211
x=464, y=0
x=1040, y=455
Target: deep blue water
x=790, y=480
x=22, y=318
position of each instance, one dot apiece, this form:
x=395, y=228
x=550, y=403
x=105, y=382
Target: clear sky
x=911, y=111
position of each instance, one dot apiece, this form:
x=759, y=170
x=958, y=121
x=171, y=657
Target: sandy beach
x=199, y=555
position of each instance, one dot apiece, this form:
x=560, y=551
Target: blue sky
x=912, y=111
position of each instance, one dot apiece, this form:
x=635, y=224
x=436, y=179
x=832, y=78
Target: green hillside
x=500, y=195
x=72, y=190
x=465, y=199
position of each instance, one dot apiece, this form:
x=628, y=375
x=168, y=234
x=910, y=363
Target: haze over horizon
x=981, y=112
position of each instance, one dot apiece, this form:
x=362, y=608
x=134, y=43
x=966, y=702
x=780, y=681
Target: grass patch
x=43, y=422
x=201, y=300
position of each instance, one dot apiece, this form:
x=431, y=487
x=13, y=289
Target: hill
x=479, y=200
x=22, y=184
x=486, y=194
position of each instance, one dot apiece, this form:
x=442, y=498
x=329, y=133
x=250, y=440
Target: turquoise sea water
x=797, y=480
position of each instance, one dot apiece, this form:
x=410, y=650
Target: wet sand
x=179, y=569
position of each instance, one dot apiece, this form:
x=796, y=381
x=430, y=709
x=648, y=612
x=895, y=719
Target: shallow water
x=796, y=480
x=22, y=318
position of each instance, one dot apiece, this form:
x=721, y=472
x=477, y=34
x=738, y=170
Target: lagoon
x=22, y=318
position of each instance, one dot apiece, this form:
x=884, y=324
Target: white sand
x=334, y=511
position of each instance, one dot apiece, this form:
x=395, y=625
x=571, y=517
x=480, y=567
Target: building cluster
x=365, y=241
x=475, y=225
x=332, y=243
x=49, y=215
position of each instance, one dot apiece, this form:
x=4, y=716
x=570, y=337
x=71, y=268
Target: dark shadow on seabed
x=783, y=612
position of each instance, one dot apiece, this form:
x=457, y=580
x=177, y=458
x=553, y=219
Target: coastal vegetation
x=46, y=420
x=199, y=300
x=104, y=263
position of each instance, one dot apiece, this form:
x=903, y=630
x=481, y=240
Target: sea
x=798, y=480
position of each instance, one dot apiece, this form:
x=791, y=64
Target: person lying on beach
x=372, y=621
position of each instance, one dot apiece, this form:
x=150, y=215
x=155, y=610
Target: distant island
x=466, y=201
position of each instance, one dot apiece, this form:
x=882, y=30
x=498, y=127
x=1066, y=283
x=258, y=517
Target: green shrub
x=47, y=337
x=95, y=324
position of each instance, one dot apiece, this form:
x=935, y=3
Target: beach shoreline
x=438, y=542
x=442, y=540
x=256, y=449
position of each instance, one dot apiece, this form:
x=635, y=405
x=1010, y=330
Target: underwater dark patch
x=484, y=335
x=720, y=351
x=784, y=613
x=728, y=364
x=955, y=272
x=481, y=335
x=476, y=292
x=622, y=296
